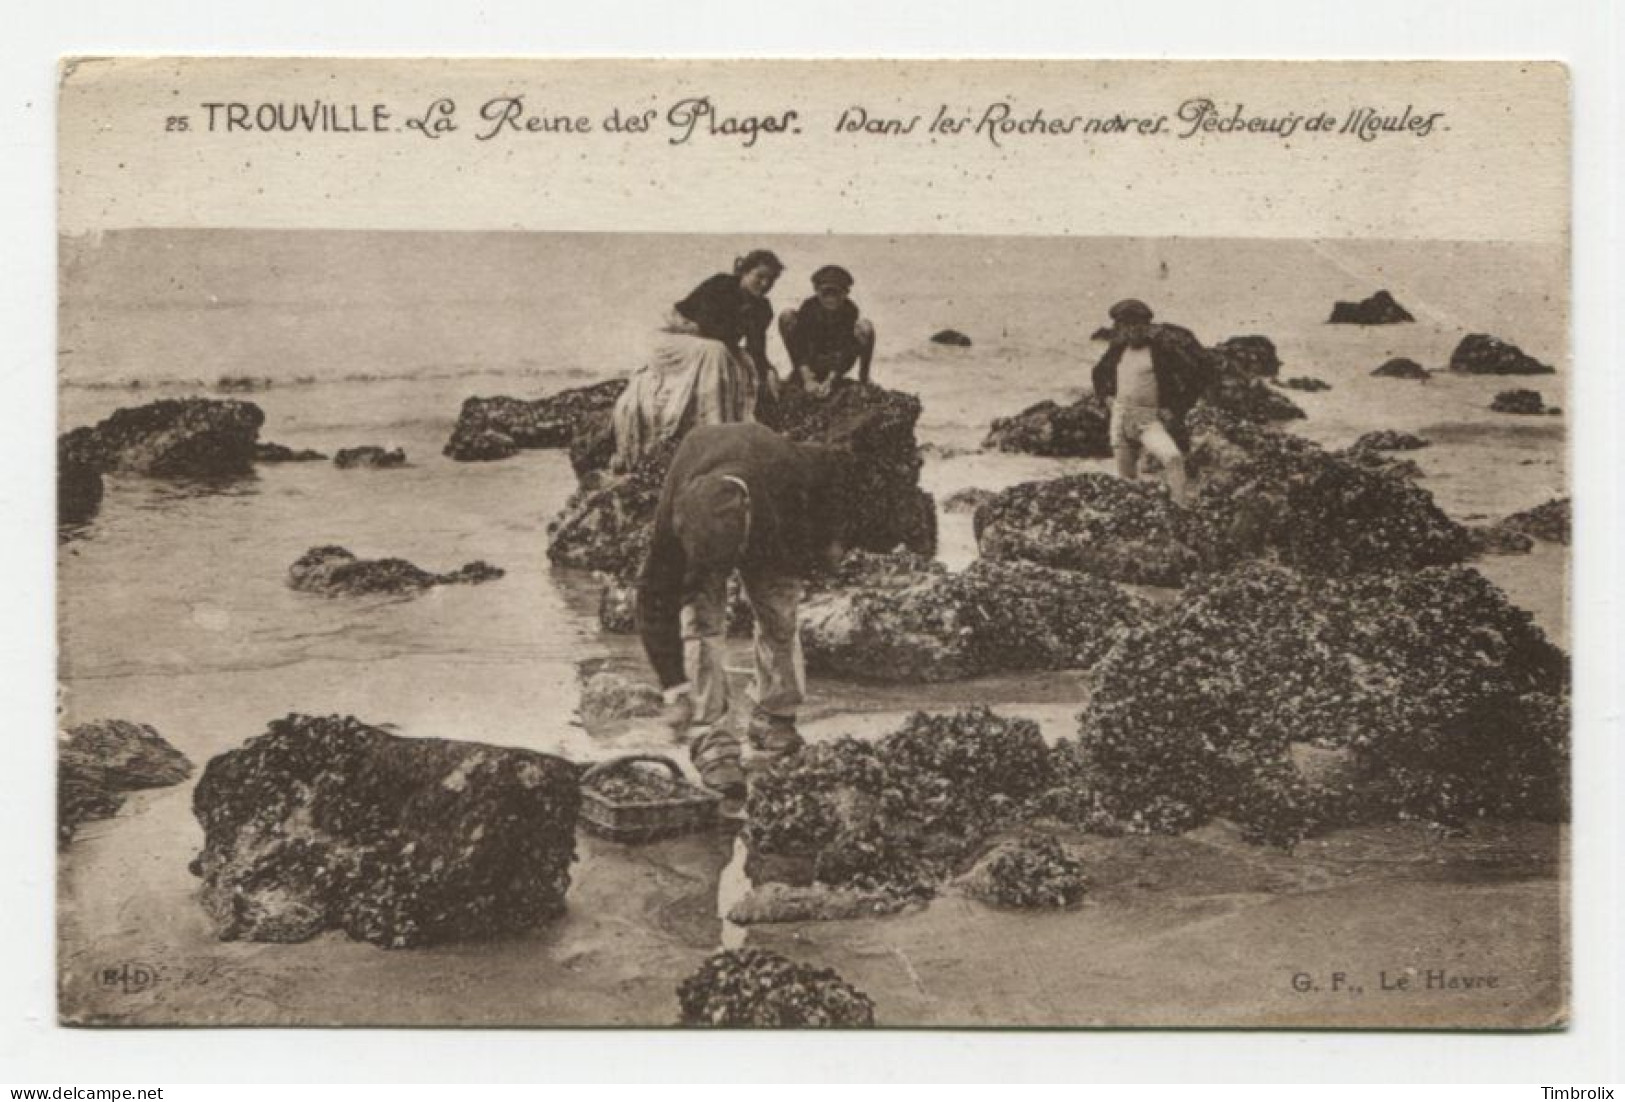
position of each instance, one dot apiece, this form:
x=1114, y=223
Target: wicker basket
x=693, y=809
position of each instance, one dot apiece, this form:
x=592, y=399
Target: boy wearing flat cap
x=1151, y=375
x=737, y=497
x=827, y=335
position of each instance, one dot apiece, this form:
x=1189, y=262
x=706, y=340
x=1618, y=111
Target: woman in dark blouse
x=709, y=365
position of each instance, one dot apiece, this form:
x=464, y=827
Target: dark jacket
x=1182, y=366
x=724, y=311
x=794, y=515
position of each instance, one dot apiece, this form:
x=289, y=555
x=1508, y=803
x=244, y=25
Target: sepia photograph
x=631, y=622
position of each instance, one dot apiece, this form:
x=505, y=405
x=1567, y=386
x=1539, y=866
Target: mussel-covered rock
x=1401, y=368
x=1251, y=400
x=1081, y=430
x=369, y=455
x=756, y=988
x=1451, y=701
x=1388, y=440
x=1549, y=521
x=1527, y=402
x=993, y=617
x=606, y=524
x=267, y=452
x=1251, y=357
x=172, y=438
x=1268, y=492
x=327, y=823
x=1031, y=871
x=484, y=423
x=98, y=763
x=900, y=815
x=952, y=337
x=1481, y=354
x=1498, y=539
x=1095, y=523
x=334, y=572
x=1379, y=309
x=78, y=488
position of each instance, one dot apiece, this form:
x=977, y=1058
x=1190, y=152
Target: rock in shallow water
x=1033, y=871
x=1550, y=521
x=333, y=572
x=755, y=988
x=1481, y=354
x=994, y=617
x=1080, y=430
x=952, y=337
x=173, y=438
x=606, y=523
x=1379, y=309
x=1095, y=523
x=327, y=823
x=281, y=453
x=97, y=763
x=369, y=455
x=495, y=428
x=1401, y=368
x=1527, y=402
x=78, y=488
x=1452, y=702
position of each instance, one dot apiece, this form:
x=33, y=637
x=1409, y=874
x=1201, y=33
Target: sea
x=172, y=603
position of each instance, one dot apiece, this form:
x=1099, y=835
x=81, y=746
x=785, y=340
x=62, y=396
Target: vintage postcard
x=956, y=544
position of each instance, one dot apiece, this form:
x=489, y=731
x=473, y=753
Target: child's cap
x=832, y=275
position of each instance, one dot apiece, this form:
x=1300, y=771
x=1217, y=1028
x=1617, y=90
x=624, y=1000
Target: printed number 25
x=176, y=122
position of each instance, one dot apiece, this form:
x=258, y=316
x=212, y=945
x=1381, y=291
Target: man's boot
x=715, y=753
x=774, y=735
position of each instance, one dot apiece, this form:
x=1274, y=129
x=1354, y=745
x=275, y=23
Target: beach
x=173, y=612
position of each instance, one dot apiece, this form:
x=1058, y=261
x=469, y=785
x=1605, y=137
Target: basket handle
x=604, y=768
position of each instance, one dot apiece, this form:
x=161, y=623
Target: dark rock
x=549, y=422
x=882, y=499
x=281, y=453
x=967, y=500
x=1451, y=701
x=993, y=617
x=950, y=337
x=327, y=823
x=334, y=572
x=755, y=988
x=1379, y=309
x=896, y=816
x=1519, y=401
x=369, y=455
x=1479, y=354
x=97, y=763
x=1080, y=430
x=1033, y=871
x=606, y=524
x=78, y=488
x=1267, y=492
x=1304, y=383
x=1251, y=357
x=172, y=438
x=1401, y=368
x=1388, y=440
x=1251, y=400
x=243, y=384
x=1548, y=521
x=1498, y=539
x=592, y=444
x=1095, y=523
